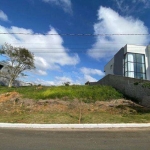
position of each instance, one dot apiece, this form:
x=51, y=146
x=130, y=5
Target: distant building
x=2, y=66
x=130, y=61
x=4, y=80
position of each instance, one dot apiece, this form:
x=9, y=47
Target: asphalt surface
x=121, y=139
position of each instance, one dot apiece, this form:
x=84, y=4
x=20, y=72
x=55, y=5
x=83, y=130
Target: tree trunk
x=10, y=83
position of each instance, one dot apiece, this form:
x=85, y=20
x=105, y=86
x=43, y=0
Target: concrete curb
x=74, y=126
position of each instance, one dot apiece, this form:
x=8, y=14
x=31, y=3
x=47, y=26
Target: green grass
x=87, y=93
x=67, y=117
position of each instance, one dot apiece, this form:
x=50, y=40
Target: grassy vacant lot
x=68, y=104
x=87, y=93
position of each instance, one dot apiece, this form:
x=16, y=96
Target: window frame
x=135, y=62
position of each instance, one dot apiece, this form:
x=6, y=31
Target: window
x=111, y=66
x=134, y=66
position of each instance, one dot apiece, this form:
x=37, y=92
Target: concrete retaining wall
x=130, y=87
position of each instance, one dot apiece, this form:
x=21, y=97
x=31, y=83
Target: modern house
x=130, y=61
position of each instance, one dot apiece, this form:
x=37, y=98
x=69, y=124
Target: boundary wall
x=130, y=87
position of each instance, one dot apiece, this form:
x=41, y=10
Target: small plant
x=146, y=85
x=66, y=83
x=136, y=83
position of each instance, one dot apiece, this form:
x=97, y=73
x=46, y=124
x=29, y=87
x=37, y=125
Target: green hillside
x=87, y=93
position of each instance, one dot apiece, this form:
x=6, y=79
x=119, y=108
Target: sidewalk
x=74, y=126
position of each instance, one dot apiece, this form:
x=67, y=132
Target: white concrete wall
x=109, y=67
x=147, y=59
x=134, y=49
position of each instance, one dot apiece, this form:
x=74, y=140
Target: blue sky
x=76, y=59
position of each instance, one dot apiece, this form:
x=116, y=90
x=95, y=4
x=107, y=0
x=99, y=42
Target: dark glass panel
x=140, y=68
x=140, y=76
x=131, y=57
x=130, y=66
x=140, y=58
x=131, y=74
x=126, y=74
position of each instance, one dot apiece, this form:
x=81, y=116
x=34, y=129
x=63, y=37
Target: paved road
x=19, y=139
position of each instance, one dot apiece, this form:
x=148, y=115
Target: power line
x=93, y=50
x=75, y=44
x=80, y=34
x=98, y=48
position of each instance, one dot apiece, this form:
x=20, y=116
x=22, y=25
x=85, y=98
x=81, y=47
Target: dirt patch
x=117, y=103
x=14, y=108
x=10, y=96
x=13, y=102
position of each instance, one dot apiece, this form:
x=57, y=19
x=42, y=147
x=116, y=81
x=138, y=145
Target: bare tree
x=17, y=61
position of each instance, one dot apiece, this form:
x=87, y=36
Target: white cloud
x=110, y=22
x=87, y=72
x=61, y=80
x=64, y=4
x=44, y=82
x=89, y=78
x=119, y=3
x=41, y=72
x=56, y=82
x=3, y=16
x=49, y=51
x=91, y=71
x=132, y=6
x=146, y=3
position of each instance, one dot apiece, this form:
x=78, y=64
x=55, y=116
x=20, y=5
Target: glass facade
x=134, y=66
